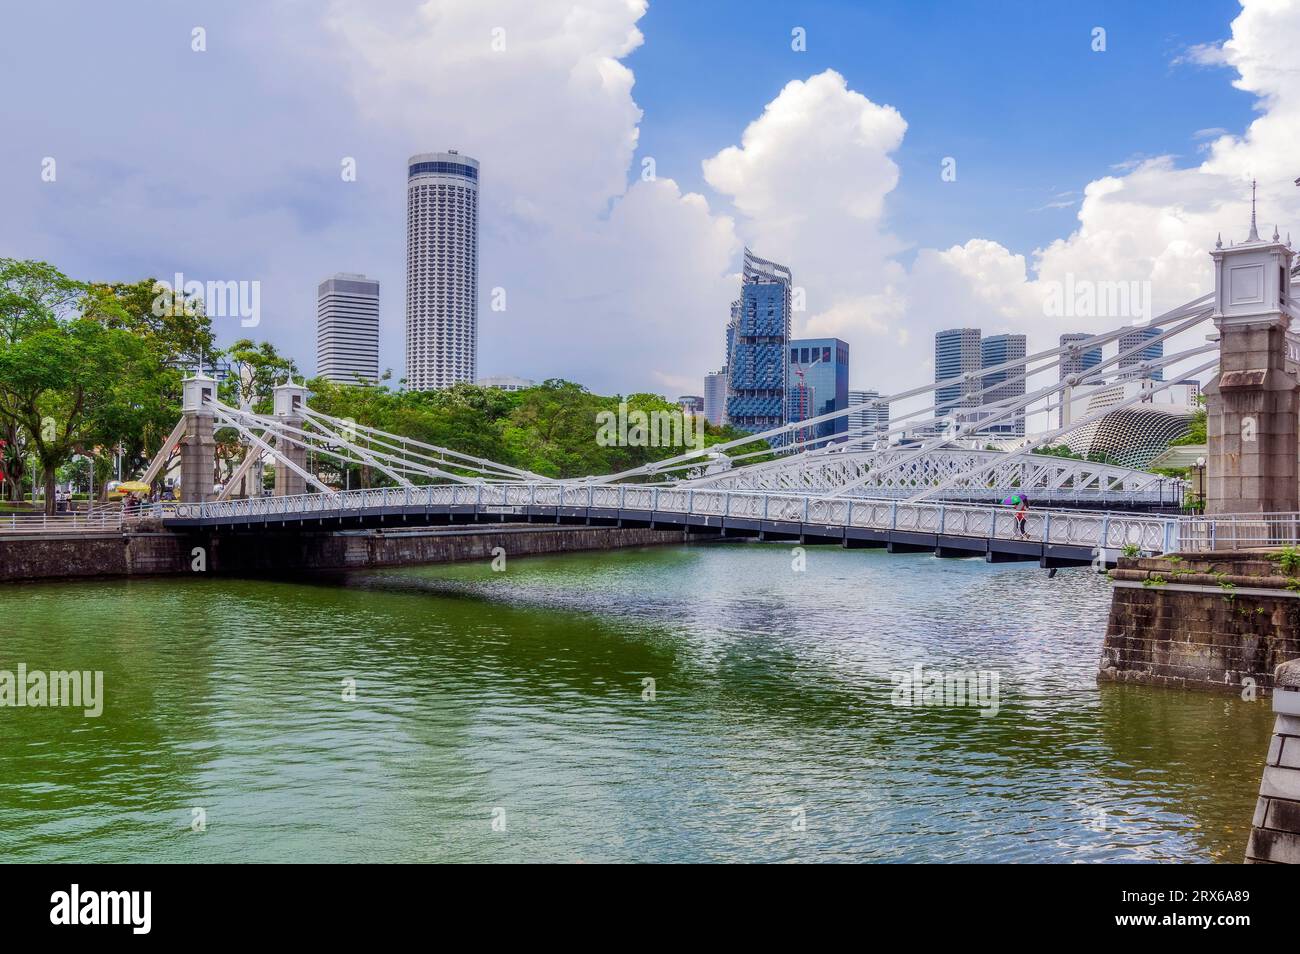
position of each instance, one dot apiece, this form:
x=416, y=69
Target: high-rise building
x=1152, y=352
x=691, y=404
x=870, y=422
x=757, y=338
x=956, y=351
x=1003, y=385
x=1082, y=361
x=822, y=365
x=347, y=329
x=441, y=270
x=505, y=382
x=715, y=398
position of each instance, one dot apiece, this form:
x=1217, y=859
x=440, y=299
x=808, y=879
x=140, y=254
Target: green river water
x=502, y=716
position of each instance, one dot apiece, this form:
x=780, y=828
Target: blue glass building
x=822, y=364
x=1082, y=361
x=757, y=337
x=1128, y=367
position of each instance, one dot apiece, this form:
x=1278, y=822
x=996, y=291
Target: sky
x=919, y=165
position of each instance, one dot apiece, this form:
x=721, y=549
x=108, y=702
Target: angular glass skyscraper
x=441, y=270
x=757, y=337
x=822, y=366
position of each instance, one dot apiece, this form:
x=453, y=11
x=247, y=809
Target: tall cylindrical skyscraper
x=441, y=270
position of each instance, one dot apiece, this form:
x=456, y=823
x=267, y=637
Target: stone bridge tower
x=289, y=400
x=199, y=445
x=1252, y=404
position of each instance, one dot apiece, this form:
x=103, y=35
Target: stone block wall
x=1202, y=621
x=1275, y=829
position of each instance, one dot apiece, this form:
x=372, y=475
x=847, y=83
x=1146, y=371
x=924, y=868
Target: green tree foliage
x=550, y=429
x=69, y=384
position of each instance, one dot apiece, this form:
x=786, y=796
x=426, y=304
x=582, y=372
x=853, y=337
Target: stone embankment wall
x=1275, y=829
x=253, y=553
x=73, y=556
x=1202, y=621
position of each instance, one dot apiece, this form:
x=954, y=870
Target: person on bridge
x=1021, y=510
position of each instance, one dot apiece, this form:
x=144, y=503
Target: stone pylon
x=198, y=446
x=1252, y=404
x=290, y=399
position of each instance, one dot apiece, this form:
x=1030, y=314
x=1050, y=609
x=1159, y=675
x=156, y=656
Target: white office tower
x=347, y=329
x=441, y=270
x=869, y=421
x=715, y=397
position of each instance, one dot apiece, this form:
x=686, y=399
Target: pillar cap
x=289, y=398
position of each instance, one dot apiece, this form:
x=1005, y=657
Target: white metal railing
x=69, y=521
x=1239, y=531
x=1092, y=529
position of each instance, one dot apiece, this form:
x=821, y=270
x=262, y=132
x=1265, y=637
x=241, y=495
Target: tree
x=176, y=333
x=70, y=383
x=32, y=295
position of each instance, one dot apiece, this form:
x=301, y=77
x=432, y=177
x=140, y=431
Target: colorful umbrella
x=1012, y=500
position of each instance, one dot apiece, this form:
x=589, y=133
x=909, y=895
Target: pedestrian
x=1021, y=510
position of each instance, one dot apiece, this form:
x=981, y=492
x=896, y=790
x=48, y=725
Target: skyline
x=622, y=283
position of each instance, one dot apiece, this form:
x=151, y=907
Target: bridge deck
x=1053, y=537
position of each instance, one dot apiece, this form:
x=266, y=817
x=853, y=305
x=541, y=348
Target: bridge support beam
x=198, y=446
x=289, y=399
x=1251, y=426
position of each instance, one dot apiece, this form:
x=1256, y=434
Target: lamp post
x=1198, y=480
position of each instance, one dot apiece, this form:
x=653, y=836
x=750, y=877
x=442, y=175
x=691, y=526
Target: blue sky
x=224, y=163
x=1012, y=90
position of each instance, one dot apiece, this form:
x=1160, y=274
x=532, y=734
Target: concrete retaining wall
x=1202, y=621
x=69, y=556
x=73, y=556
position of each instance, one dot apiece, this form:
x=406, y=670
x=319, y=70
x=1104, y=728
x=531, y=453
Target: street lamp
x=1198, y=485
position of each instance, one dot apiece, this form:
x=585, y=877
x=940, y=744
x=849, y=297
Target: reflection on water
x=522, y=691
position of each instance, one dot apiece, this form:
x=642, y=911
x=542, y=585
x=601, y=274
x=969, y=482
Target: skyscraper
x=757, y=339
x=1132, y=339
x=822, y=365
x=441, y=270
x=1082, y=361
x=715, y=397
x=691, y=403
x=1005, y=384
x=347, y=329
x=956, y=351
x=869, y=423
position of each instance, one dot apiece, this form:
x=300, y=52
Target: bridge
x=934, y=494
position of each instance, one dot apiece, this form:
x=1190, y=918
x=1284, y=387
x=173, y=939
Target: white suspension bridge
x=933, y=495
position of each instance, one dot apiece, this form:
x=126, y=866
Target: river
x=506, y=716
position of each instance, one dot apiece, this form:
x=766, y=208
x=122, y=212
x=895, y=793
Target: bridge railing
x=79, y=522
x=1239, y=531
x=1057, y=526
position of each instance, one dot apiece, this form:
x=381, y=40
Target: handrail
x=1097, y=529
